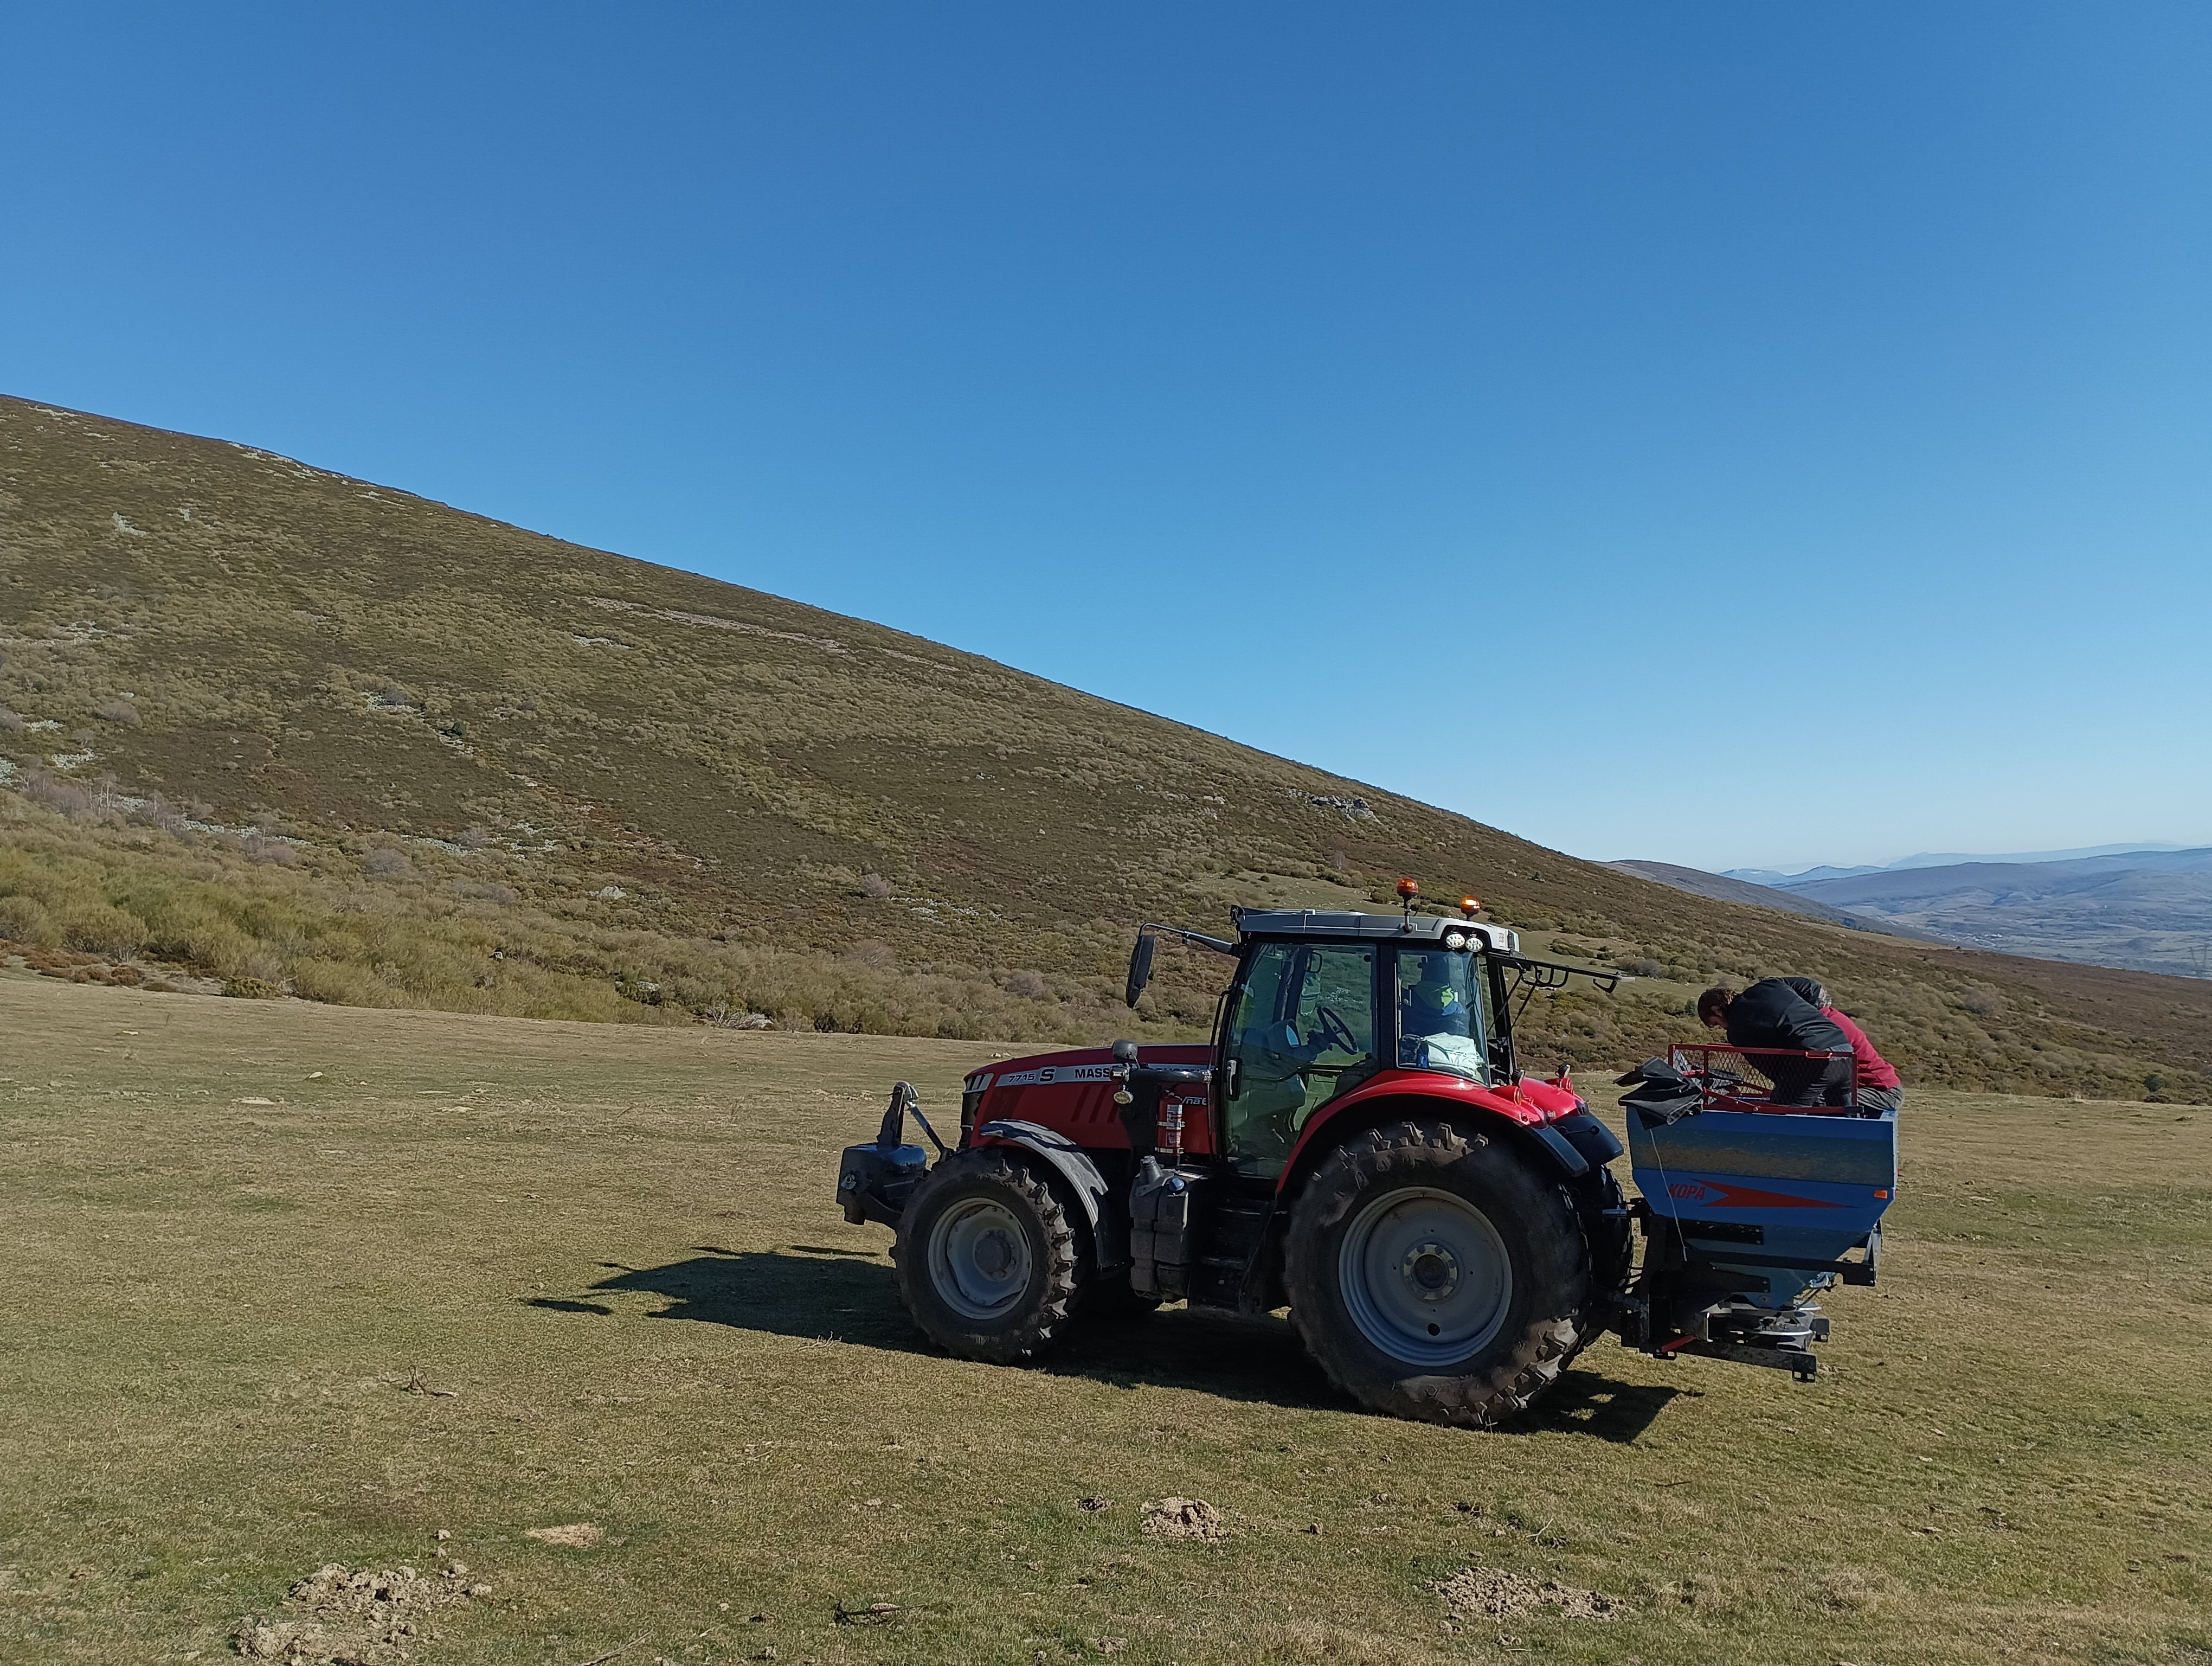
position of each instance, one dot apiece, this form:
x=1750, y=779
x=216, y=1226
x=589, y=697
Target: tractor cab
x=1359, y=1142
x=1328, y=1009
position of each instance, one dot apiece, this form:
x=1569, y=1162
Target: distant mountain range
x=1727, y=888
x=2135, y=907
x=1761, y=876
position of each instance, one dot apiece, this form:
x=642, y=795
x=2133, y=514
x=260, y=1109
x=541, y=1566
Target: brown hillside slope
x=532, y=727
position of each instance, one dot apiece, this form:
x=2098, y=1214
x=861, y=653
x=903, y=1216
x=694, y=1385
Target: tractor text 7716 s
x=1359, y=1143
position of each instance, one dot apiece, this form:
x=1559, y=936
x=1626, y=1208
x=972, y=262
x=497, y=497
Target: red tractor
x=1359, y=1143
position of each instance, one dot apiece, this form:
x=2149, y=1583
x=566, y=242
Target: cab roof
x=1337, y=922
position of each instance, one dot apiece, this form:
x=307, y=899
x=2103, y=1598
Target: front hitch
x=874, y=1180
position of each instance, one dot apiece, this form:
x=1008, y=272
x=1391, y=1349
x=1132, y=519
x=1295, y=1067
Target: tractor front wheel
x=987, y=1257
x=1435, y=1274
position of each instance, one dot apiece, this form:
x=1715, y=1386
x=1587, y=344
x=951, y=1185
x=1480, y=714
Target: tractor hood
x=1072, y=1091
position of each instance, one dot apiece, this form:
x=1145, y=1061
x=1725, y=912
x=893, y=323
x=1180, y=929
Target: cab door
x=1298, y=1030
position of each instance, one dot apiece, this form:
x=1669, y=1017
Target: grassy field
x=295, y=1284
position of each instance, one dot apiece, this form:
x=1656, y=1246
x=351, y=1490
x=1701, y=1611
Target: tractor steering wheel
x=1335, y=1031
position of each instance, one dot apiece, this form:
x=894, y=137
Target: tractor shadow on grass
x=838, y=1295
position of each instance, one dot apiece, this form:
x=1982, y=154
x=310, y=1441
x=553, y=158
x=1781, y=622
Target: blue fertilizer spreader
x=1751, y=1204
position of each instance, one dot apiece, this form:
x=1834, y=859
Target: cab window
x=1301, y=1031
x=1443, y=1013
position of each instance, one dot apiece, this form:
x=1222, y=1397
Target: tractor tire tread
x=1552, y=1337
x=1046, y=1318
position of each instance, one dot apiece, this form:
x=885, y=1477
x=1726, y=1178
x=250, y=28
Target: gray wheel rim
x=979, y=1259
x=1425, y=1276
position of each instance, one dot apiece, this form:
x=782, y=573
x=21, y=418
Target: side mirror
x=1140, y=964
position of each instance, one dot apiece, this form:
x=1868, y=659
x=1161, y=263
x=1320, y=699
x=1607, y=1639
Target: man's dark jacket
x=1778, y=1012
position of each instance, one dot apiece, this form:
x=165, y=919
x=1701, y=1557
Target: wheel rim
x=1425, y=1276
x=979, y=1259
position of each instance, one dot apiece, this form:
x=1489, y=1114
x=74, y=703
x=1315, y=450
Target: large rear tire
x=986, y=1258
x=1435, y=1274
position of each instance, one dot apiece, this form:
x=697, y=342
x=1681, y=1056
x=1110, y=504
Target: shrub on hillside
x=99, y=928
x=157, y=811
x=64, y=796
x=10, y=722
x=385, y=863
x=277, y=853
x=118, y=711
x=25, y=920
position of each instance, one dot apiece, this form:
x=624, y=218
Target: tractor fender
x=1357, y=1111
x=1108, y=1231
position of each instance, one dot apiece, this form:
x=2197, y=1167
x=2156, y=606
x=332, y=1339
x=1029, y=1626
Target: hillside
x=288, y=731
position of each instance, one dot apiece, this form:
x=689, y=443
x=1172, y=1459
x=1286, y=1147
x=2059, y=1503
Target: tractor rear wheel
x=1435, y=1274
x=987, y=1257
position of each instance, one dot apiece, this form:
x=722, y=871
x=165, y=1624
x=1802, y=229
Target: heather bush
x=25, y=920
x=64, y=796
x=258, y=847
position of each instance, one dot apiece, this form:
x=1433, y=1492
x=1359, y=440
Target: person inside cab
x=1439, y=1013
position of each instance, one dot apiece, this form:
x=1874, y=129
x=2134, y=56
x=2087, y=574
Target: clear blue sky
x=1727, y=432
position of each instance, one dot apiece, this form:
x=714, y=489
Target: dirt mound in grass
x=1184, y=1518
x=342, y=1616
x=1494, y=1593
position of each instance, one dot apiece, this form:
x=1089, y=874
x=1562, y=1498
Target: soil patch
x=1495, y=1593
x=1184, y=1518
x=342, y=1616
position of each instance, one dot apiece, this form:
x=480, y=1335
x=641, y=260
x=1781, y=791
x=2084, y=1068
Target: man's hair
x=1714, y=1000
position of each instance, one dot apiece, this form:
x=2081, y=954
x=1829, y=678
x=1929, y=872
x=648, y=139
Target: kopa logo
x=1689, y=1191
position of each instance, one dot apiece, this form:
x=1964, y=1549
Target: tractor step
x=1233, y=1236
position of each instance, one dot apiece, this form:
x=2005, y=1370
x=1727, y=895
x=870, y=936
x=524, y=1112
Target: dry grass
x=487, y=1276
